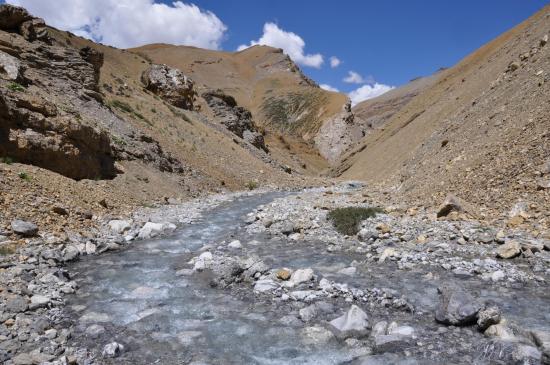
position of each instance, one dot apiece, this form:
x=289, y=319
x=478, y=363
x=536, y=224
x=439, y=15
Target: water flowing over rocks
x=267, y=274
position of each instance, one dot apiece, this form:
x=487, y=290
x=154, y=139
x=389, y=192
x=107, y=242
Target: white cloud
x=366, y=92
x=335, y=62
x=291, y=43
x=130, y=23
x=355, y=78
x=327, y=87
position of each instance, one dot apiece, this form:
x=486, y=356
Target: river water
x=136, y=297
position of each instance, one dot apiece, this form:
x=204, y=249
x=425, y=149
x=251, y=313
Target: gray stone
x=23, y=359
x=39, y=301
x=509, y=250
x=10, y=67
x=390, y=343
x=450, y=204
x=300, y=276
x=236, y=244
x=316, y=335
x=488, y=317
x=70, y=253
x=456, y=307
x=542, y=340
x=262, y=286
x=150, y=230
x=308, y=313
x=23, y=228
x=112, y=350
x=17, y=304
x=95, y=330
x=119, y=226
x=34, y=29
x=380, y=328
x=354, y=323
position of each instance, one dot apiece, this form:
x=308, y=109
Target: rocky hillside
x=345, y=130
x=260, y=78
x=76, y=116
x=481, y=130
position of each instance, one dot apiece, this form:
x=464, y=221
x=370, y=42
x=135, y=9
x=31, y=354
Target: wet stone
x=456, y=307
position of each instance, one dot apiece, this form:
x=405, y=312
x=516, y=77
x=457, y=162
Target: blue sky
x=386, y=43
x=393, y=41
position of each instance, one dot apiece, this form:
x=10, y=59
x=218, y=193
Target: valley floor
x=263, y=277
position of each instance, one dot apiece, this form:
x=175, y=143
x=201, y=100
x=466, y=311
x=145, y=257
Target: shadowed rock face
x=32, y=130
x=235, y=118
x=58, y=144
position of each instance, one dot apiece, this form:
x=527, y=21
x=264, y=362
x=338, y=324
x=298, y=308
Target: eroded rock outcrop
x=235, y=118
x=338, y=134
x=51, y=112
x=170, y=84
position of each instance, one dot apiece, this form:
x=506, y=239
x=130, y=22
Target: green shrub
x=24, y=176
x=119, y=141
x=346, y=220
x=251, y=185
x=6, y=250
x=14, y=86
x=7, y=160
x=121, y=105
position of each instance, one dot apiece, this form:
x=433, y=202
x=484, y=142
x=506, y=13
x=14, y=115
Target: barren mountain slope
x=481, y=131
x=343, y=131
x=79, y=130
x=373, y=113
x=261, y=78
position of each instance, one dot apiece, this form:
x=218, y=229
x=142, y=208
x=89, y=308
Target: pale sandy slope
x=480, y=131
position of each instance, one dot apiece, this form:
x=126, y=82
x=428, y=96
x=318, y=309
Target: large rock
x=236, y=119
x=354, y=323
x=300, y=276
x=10, y=67
x=170, y=84
x=11, y=17
x=488, y=317
x=150, y=229
x=119, y=226
x=510, y=352
x=456, y=307
x=254, y=138
x=34, y=29
x=23, y=228
x=542, y=340
x=112, y=350
x=95, y=58
x=338, y=134
x=450, y=204
x=509, y=250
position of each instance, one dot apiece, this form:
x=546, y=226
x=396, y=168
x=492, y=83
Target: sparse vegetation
x=297, y=111
x=127, y=108
x=121, y=105
x=251, y=185
x=119, y=141
x=6, y=250
x=346, y=220
x=7, y=160
x=24, y=176
x=179, y=114
x=14, y=86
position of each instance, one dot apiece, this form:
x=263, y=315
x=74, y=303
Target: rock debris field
x=264, y=278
